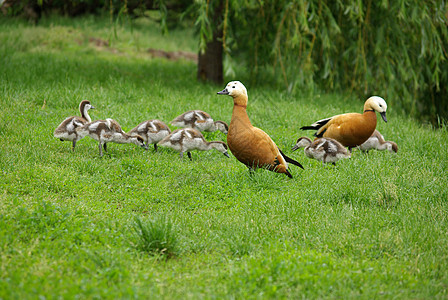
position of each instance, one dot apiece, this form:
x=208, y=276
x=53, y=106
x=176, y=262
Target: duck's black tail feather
x=308, y=128
x=321, y=134
x=290, y=160
x=316, y=125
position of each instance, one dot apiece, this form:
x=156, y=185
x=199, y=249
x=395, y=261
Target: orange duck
x=351, y=129
x=251, y=145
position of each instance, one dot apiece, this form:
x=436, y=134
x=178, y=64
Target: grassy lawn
x=138, y=223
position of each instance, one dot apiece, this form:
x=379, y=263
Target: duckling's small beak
x=383, y=115
x=295, y=148
x=223, y=92
x=226, y=154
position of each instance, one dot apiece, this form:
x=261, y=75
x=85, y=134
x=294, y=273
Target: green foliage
x=373, y=226
x=156, y=236
x=396, y=49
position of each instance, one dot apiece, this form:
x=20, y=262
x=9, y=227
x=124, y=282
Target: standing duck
x=377, y=141
x=152, y=131
x=326, y=150
x=351, y=129
x=66, y=131
x=251, y=145
x=199, y=120
x=188, y=139
x=105, y=131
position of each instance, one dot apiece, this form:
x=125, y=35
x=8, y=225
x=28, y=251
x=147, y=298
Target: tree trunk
x=210, y=62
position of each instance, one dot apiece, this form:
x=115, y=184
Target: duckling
x=324, y=149
x=251, y=145
x=187, y=139
x=351, y=129
x=66, y=131
x=199, y=120
x=105, y=131
x=152, y=131
x=376, y=141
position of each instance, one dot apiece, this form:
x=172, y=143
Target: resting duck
x=376, y=141
x=351, y=129
x=152, y=131
x=188, y=139
x=251, y=145
x=199, y=120
x=108, y=131
x=326, y=150
x=66, y=131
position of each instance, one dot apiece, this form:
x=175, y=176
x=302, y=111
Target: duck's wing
x=66, y=125
x=268, y=152
x=186, y=117
x=139, y=129
x=327, y=146
x=343, y=123
x=159, y=125
x=194, y=134
x=113, y=125
x=79, y=121
x=202, y=115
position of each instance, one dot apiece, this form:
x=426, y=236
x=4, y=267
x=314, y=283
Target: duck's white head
x=234, y=89
x=378, y=104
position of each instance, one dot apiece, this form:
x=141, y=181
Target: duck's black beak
x=294, y=148
x=383, y=115
x=145, y=146
x=226, y=154
x=92, y=107
x=223, y=92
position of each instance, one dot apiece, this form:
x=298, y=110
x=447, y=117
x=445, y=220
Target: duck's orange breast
x=251, y=145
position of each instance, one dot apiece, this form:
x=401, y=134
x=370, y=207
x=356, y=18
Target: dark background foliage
x=395, y=49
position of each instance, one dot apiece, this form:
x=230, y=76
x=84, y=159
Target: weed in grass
x=157, y=237
x=387, y=196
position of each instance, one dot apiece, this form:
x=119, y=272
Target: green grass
x=374, y=226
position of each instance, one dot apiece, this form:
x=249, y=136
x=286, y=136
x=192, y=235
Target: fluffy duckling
x=188, y=139
x=66, y=131
x=325, y=149
x=351, y=129
x=152, y=131
x=105, y=131
x=249, y=144
x=199, y=120
x=377, y=141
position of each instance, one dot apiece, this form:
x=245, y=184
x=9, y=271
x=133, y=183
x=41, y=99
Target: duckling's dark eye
x=233, y=87
x=381, y=105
